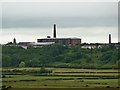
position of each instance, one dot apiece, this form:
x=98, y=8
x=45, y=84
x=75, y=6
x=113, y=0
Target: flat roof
x=44, y=43
x=59, y=38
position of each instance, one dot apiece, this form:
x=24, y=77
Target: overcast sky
x=90, y=21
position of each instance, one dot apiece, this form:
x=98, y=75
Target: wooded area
x=60, y=56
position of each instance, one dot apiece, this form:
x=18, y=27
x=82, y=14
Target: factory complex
x=62, y=41
x=50, y=41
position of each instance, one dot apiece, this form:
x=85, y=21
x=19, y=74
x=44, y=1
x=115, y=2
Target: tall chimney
x=54, y=33
x=109, y=38
x=14, y=41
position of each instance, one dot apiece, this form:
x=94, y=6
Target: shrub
x=3, y=76
x=15, y=70
x=22, y=64
x=43, y=70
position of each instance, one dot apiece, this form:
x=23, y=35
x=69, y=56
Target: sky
x=90, y=21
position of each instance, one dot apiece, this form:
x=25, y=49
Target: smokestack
x=54, y=33
x=14, y=41
x=109, y=38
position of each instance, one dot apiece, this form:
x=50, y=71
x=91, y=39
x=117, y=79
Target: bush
x=22, y=64
x=15, y=70
x=43, y=70
x=3, y=76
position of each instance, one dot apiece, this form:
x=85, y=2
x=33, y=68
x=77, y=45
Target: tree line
x=61, y=56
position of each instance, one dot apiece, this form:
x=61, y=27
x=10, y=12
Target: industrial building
x=33, y=44
x=63, y=41
x=99, y=45
x=51, y=41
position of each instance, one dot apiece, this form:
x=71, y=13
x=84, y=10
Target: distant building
x=43, y=44
x=91, y=46
x=63, y=41
x=33, y=44
x=117, y=45
x=99, y=45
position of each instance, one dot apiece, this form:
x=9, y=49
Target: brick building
x=63, y=41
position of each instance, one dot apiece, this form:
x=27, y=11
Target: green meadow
x=60, y=78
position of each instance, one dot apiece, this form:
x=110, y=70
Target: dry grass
x=65, y=69
x=82, y=70
x=110, y=74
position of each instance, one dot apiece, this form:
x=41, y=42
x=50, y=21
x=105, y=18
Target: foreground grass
x=42, y=82
x=31, y=81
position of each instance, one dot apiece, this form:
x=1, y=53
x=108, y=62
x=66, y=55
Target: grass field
x=66, y=69
x=62, y=78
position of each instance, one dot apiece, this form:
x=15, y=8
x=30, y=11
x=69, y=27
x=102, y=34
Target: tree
x=13, y=56
x=22, y=64
x=6, y=60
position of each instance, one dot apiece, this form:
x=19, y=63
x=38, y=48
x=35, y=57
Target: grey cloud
x=25, y=15
x=61, y=21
